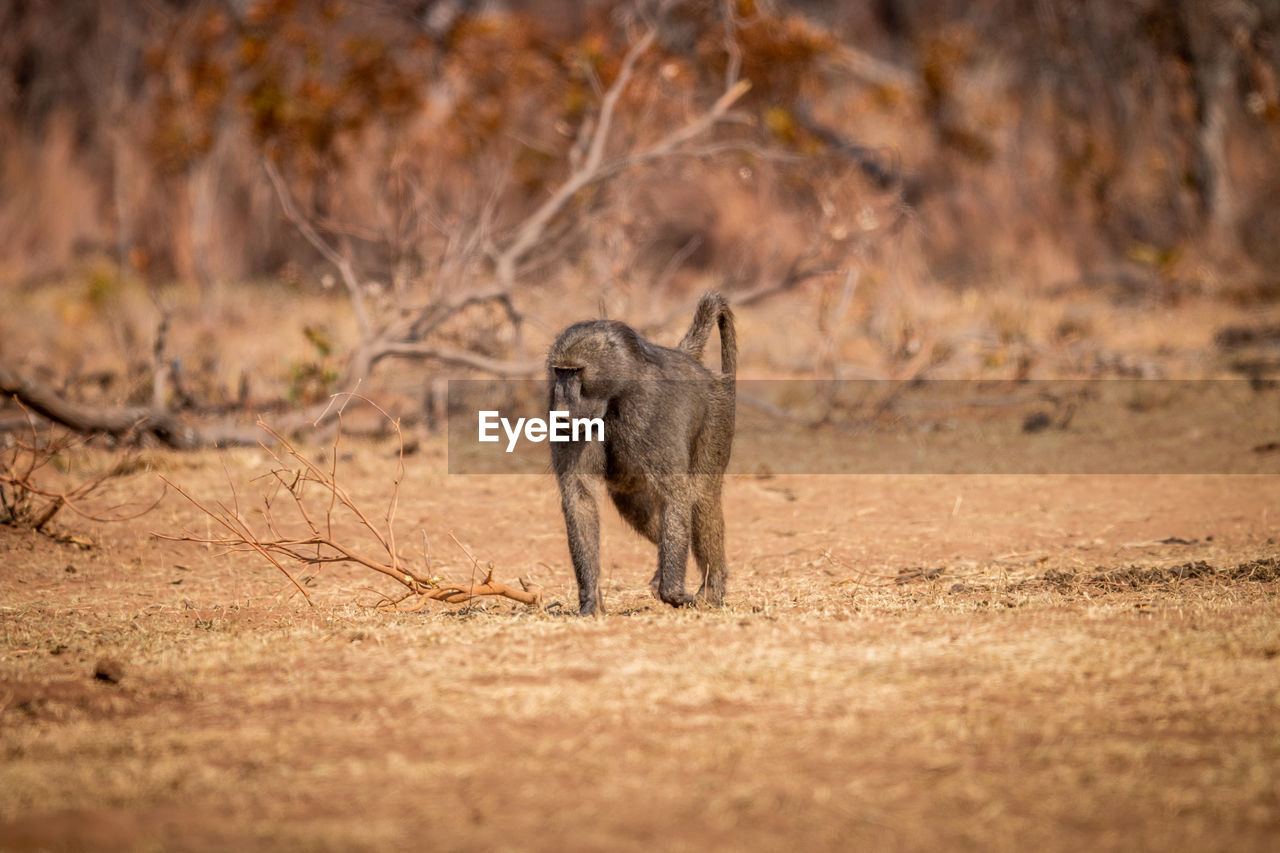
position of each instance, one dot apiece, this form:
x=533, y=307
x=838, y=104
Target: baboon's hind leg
x=708, y=550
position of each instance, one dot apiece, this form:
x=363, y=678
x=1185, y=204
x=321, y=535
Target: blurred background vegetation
x=968, y=188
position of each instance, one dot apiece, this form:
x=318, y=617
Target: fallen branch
x=529, y=593
x=122, y=423
x=320, y=503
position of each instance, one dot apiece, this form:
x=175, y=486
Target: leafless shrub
x=410, y=329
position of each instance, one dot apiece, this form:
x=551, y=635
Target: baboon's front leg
x=673, y=552
x=582, y=522
x=708, y=550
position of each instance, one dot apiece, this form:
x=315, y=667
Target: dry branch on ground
x=118, y=422
x=316, y=537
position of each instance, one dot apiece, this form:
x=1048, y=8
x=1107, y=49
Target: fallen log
x=120, y=422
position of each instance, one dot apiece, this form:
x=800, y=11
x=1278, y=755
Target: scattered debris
x=1136, y=576
x=917, y=574
x=1059, y=578
x=1263, y=570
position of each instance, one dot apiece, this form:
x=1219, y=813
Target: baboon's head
x=590, y=364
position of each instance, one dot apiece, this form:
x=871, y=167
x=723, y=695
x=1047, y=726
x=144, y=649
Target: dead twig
x=30, y=496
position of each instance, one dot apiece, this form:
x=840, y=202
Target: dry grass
x=983, y=706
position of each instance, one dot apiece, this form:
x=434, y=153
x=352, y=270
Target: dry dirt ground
x=905, y=662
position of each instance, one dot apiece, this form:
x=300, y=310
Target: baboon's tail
x=713, y=309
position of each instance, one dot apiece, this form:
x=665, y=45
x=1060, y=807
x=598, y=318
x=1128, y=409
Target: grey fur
x=668, y=431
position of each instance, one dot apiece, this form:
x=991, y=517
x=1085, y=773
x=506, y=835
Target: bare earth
x=1041, y=691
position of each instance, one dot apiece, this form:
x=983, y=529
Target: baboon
x=668, y=430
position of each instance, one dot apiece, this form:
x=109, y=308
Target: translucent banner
x=919, y=427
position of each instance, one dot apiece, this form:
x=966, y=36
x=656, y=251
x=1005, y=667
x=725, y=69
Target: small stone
x=109, y=670
x=1036, y=421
